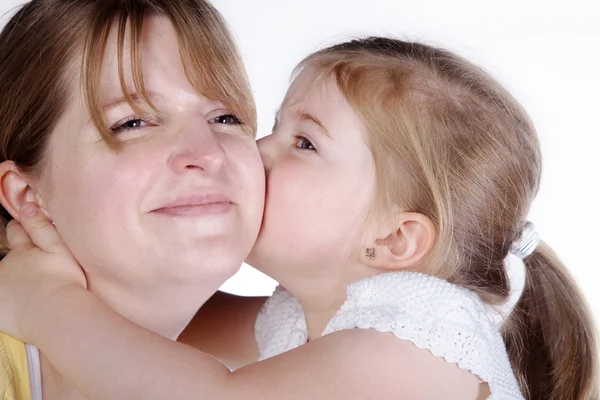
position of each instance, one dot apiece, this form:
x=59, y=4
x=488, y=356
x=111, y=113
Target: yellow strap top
x=14, y=371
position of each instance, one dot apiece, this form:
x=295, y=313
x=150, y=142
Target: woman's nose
x=197, y=148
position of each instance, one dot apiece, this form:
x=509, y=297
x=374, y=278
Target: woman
x=158, y=221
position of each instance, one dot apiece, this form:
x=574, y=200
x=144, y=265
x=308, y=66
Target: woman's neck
x=165, y=308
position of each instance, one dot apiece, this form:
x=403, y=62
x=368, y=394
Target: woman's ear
x=15, y=189
x=405, y=247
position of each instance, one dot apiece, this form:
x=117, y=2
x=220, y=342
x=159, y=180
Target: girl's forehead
x=311, y=89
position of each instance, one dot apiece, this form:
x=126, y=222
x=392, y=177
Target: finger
x=17, y=237
x=42, y=232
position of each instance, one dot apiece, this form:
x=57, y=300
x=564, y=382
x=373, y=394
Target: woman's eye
x=226, y=119
x=303, y=143
x=129, y=125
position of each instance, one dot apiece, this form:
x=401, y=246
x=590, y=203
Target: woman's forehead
x=156, y=52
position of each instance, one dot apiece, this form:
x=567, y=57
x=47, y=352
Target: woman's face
x=182, y=200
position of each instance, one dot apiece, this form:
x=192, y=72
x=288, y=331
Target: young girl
x=399, y=178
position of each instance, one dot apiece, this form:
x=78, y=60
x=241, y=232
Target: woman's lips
x=196, y=205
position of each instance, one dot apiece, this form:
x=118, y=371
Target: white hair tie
x=522, y=248
x=527, y=242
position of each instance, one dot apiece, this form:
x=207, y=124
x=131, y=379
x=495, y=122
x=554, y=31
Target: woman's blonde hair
x=451, y=143
x=46, y=41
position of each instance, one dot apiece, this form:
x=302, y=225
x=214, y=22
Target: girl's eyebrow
x=305, y=116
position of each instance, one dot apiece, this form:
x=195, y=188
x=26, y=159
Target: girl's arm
x=108, y=357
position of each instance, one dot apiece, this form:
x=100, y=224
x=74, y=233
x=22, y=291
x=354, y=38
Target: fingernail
x=29, y=209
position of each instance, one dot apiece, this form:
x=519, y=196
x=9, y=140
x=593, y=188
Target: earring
x=370, y=253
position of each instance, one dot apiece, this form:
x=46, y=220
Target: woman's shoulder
x=14, y=369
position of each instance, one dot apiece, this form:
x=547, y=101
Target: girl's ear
x=405, y=247
x=15, y=189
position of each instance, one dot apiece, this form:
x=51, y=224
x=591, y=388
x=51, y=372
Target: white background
x=546, y=52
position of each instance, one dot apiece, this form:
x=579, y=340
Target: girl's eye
x=130, y=124
x=226, y=119
x=303, y=143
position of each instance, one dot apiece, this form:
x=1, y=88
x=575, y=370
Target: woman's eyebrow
x=137, y=98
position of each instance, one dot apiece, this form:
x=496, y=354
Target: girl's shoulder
x=280, y=325
x=426, y=313
x=449, y=321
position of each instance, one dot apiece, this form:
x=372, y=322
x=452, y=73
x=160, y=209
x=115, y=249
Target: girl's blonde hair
x=449, y=142
x=46, y=41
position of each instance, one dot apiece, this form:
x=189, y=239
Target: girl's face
x=181, y=201
x=320, y=187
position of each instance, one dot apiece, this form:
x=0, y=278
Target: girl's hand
x=38, y=267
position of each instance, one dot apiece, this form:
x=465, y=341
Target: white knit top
x=450, y=321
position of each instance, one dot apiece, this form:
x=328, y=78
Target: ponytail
x=550, y=335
